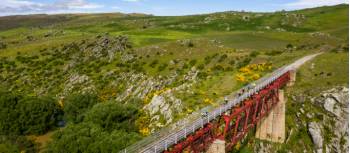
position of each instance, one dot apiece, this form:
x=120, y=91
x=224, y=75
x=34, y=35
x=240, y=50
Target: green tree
x=77, y=104
x=9, y=113
x=27, y=115
x=12, y=144
x=87, y=137
x=7, y=147
x=38, y=114
x=113, y=115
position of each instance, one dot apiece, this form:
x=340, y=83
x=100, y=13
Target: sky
x=155, y=7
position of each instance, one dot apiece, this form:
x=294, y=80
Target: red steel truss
x=233, y=125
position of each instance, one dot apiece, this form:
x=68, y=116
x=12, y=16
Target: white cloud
x=27, y=6
x=132, y=0
x=115, y=7
x=76, y=4
x=314, y=3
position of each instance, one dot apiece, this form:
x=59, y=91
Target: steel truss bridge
x=229, y=122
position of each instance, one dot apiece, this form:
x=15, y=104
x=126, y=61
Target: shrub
x=202, y=75
x=207, y=60
x=273, y=53
x=185, y=66
x=8, y=113
x=190, y=44
x=154, y=63
x=89, y=137
x=27, y=115
x=289, y=46
x=222, y=58
x=254, y=54
x=218, y=68
x=77, y=104
x=38, y=115
x=3, y=45
x=162, y=67
x=193, y=62
x=11, y=144
x=243, y=63
x=113, y=115
x=201, y=67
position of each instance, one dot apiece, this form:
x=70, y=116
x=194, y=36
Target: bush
x=162, y=67
x=202, y=75
x=8, y=113
x=77, y=104
x=289, y=46
x=273, y=53
x=222, y=58
x=6, y=147
x=3, y=45
x=193, y=62
x=243, y=63
x=11, y=144
x=254, y=54
x=89, y=137
x=38, y=115
x=153, y=63
x=201, y=67
x=207, y=60
x=113, y=115
x=218, y=68
x=232, y=62
x=28, y=115
x=190, y=44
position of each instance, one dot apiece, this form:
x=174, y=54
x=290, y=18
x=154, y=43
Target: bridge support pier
x=218, y=146
x=292, y=74
x=272, y=127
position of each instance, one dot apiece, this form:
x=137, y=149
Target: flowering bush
x=252, y=72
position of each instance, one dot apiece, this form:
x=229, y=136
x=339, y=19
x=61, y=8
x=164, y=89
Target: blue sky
x=156, y=7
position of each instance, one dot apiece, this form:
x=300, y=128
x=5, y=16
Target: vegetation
x=76, y=105
x=24, y=115
x=89, y=137
x=101, y=82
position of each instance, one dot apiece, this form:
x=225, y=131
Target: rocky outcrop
x=293, y=19
x=139, y=85
x=163, y=106
x=78, y=83
x=326, y=118
x=316, y=135
x=106, y=47
x=335, y=102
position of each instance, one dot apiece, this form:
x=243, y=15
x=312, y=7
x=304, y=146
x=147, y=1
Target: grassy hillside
x=137, y=73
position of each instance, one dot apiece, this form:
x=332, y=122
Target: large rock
x=329, y=104
x=336, y=102
x=316, y=135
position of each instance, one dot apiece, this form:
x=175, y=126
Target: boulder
x=316, y=135
x=329, y=104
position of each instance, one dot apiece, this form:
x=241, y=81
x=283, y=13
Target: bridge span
x=229, y=122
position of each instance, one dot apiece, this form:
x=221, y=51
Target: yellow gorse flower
x=252, y=72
